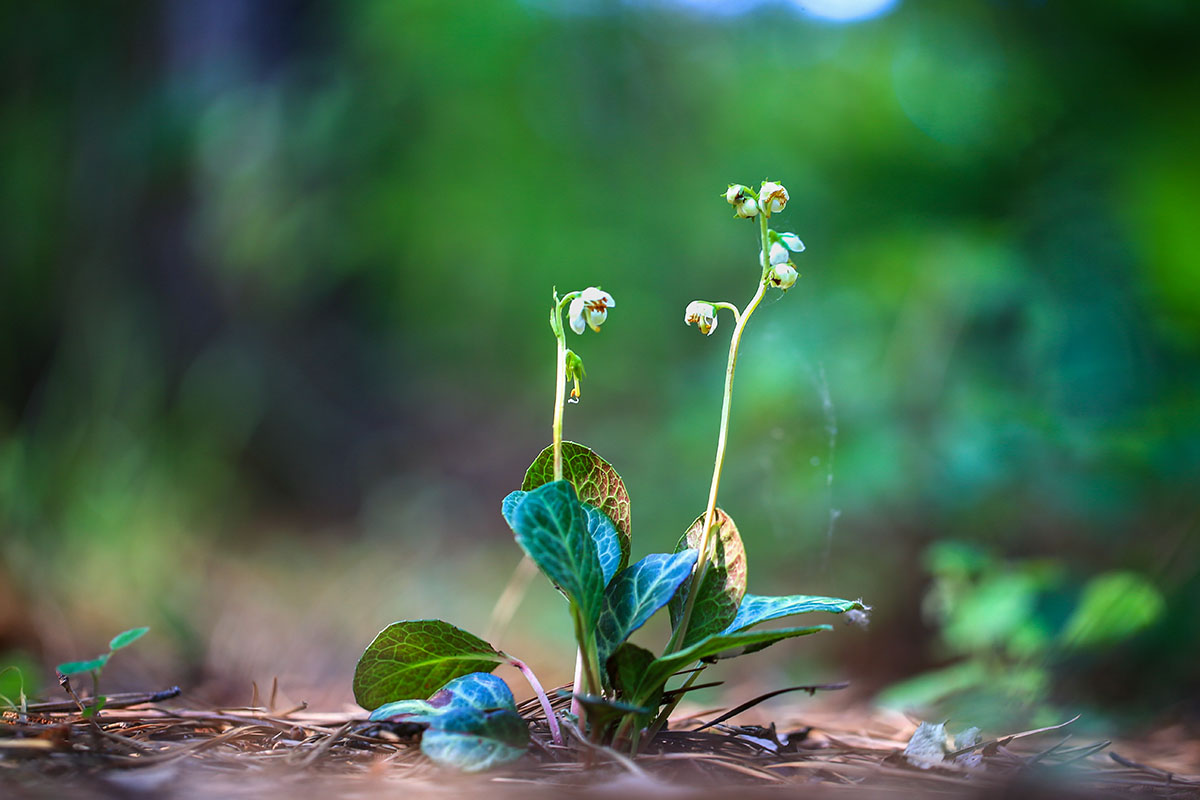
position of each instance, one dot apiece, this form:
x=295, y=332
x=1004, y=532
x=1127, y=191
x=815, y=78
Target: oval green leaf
x=76, y=667
x=126, y=638
x=756, y=608
x=724, y=583
x=410, y=659
x=595, y=481
x=636, y=593
x=551, y=526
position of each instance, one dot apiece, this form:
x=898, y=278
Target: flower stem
x=706, y=542
x=536, y=685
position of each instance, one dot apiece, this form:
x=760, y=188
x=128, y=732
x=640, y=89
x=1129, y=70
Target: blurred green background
x=273, y=287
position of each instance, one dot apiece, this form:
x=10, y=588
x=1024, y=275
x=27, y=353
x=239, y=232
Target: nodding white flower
x=703, y=315
x=779, y=254
x=735, y=194
x=792, y=242
x=590, y=309
x=772, y=197
x=783, y=276
x=746, y=209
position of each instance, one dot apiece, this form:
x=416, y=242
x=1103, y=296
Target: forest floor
x=166, y=749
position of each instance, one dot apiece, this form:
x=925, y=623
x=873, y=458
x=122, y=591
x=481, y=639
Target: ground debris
x=183, y=751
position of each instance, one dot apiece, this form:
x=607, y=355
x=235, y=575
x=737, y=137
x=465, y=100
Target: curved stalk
x=536, y=685
x=702, y=561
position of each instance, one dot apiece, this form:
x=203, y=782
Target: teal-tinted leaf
x=551, y=526
x=95, y=707
x=603, y=532
x=471, y=723
x=508, y=506
x=404, y=710
x=474, y=741
x=724, y=583
x=636, y=593
x=595, y=481
x=607, y=539
x=412, y=658
x=76, y=667
x=728, y=645
x=1113, y=606
x=756, y=608
x=127, y=638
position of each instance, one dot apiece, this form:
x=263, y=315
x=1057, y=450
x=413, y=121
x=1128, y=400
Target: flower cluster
x=777, y=267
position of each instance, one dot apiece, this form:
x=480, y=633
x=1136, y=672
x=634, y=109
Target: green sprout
x=571, y=517
x=96, y=665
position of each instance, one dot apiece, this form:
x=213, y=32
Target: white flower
x=703, y=314
x=772, y=197
x=747, y=208
x=590, y=309
x=783, y=276
x=735, y=194
x=792, y=242
x=779, y=254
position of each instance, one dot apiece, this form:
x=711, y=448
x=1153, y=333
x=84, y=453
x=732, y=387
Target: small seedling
x=96, y=665
x=571, y=517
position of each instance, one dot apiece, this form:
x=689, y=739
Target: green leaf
x=96, y=707
x=756, y=608
x=127, y=638
x=724, y=583
x=636, y=593
x=602, y=713
x=603, y=532
x=76, y=667
x=626, y=666
x=595, y=481
x=412, y=658
x=551, y=526
x=472, y=723
x=1113, y=606
x=726, y=645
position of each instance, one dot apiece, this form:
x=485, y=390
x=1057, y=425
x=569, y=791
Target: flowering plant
x=571, y=518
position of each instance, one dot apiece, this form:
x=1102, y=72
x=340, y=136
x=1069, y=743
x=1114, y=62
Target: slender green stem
x=706, y=542
x=664, y=716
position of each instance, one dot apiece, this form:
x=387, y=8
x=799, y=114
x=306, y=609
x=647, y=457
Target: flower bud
x=783, y=276
x=792, y=242
x=575, y=372
x=703, y=315
x=772, y=197
x=590, y=309
x=735, y=194
x=747, y=208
